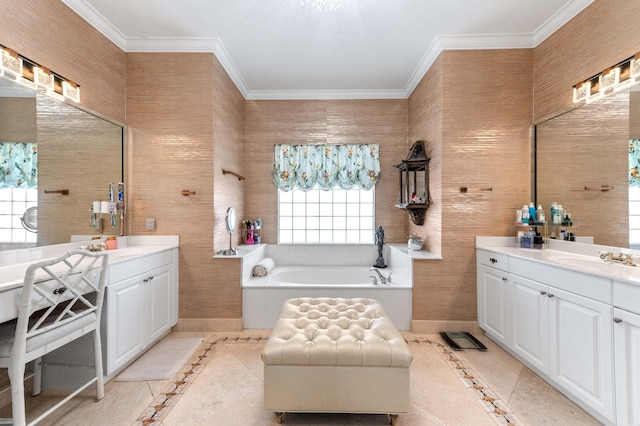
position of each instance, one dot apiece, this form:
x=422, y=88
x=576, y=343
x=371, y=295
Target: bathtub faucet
x=382, y=278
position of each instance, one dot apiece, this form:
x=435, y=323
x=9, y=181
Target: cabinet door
x=158, y=291
x=493, y=303
x=529, y=325
x=627, y=353
x=581, y=349
x=125, y=306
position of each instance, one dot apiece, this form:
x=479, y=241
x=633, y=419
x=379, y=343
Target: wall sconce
x=31, y=74
x=414, y=183
x=613, y=79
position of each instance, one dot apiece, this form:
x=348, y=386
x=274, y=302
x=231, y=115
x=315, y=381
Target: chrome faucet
x=382, y=278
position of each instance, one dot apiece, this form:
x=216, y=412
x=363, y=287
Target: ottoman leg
x=279, y=416
x=392, y=419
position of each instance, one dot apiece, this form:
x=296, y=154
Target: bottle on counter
x=540, y=214
x=532, y=212
x=525, y=215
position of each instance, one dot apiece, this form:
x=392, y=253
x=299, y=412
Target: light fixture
x=613, y=79
x=29, y=73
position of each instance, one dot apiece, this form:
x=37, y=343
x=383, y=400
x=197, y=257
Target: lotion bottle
x=540, y=214
x=532, y=212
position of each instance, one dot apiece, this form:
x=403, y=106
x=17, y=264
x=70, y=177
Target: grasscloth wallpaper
x=473, y=108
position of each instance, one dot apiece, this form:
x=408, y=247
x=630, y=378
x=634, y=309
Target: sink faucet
x=623, y=258
x=382, y=278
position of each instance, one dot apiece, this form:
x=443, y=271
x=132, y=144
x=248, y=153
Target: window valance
x=18, y=165
x=304, y=166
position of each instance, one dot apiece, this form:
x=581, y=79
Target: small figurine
x=380, y=243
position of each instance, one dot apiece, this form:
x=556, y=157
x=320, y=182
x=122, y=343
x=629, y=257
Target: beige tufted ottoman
x=336, y=355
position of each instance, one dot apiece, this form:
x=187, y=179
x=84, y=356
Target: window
x=336, y=216
x=13, y=203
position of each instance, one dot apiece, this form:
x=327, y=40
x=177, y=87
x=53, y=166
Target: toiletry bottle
x=559, y=213
x=532, y=212
x=518, y=216
x=525, y=215
x=553, y=208
x=540, y=214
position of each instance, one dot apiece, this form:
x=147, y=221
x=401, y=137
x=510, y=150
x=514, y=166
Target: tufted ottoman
x=336, y=355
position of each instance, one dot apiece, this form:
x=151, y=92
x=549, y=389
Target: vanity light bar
x=31, y=74
x=613, y=79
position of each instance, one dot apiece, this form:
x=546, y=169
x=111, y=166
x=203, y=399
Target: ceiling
x=325, y=49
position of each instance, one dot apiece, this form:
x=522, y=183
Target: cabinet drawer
x=586, y=285
x=138, y=265
x=495, y=260
x=626, y=296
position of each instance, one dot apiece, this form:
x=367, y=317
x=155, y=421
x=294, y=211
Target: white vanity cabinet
x=626, y=329
x=493, y=295
x=559, y=324
x=140, y=307
x=529, y=321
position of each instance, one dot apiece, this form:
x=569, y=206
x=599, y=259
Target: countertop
x=14, y=264
x=574, y=256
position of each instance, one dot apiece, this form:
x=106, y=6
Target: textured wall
x=170, y=113
x=18, y=120
x=600, y=36
x=485, y=141
x=48, y=32
x=315, y=122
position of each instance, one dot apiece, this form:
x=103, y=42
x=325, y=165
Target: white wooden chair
x=61, y=301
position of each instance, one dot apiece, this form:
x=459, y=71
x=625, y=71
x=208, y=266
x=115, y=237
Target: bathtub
x=344, y=276
x=262, y=298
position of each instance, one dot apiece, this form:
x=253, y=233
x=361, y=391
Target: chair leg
x=97, y=350
x=16, y=377
x=36, y=382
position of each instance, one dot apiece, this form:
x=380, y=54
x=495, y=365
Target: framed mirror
x=77, y=152
x=582, y=162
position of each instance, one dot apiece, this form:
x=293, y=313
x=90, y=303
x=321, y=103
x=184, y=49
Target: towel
x=263, y=267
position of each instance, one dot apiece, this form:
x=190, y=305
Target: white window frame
x=13, y=203
x=310, y=222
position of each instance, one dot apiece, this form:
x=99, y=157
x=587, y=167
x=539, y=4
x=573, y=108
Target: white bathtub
x=262, y=298
x=322, y=276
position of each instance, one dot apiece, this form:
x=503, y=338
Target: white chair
x=61, y=301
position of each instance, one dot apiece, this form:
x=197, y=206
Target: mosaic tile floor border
x=166, y=400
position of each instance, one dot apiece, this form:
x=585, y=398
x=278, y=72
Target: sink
x=578, y=262
x=124, y=253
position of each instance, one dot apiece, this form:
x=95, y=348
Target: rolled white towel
x=263, y=267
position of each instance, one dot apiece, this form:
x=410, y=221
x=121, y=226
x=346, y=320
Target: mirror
x=77, y=152
x=582, y=162
x=230, y=221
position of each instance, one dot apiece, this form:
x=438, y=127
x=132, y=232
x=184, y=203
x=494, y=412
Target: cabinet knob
x=504, y=279
x=549, y=295
x=492, y=260
x=543, y=292
x=617, y=320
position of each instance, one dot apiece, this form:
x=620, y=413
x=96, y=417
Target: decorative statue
x=380, y=243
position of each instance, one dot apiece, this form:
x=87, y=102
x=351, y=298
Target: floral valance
x=634, y=162
x=18, y=165
x=304, y=166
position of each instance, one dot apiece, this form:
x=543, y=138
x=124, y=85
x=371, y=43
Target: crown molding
x=564, y=15
x=97, y=21
x=289, y=95
x=440, y=43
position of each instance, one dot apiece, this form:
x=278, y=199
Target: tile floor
x=226, y=389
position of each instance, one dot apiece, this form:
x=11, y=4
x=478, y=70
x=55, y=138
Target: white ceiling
x=325, y=49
